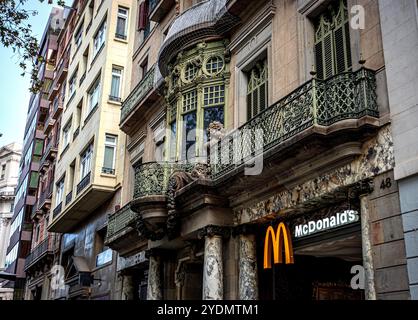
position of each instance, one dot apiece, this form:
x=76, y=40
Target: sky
x=14, y=89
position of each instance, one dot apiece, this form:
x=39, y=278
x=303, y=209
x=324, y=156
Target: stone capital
x=212, y=231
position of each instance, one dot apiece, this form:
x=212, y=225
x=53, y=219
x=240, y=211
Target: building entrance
x=321, y=270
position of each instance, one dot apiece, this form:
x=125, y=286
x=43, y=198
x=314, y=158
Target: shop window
x=332, y=41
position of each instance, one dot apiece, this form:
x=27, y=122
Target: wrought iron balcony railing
x=57, y=210
x=152, y=178
x=68, y=198
x=47, y=246
x=138, y=93
x=45, y=196
x=83, y=183
x=119, y=220
x=318, y=103
x=350, y=95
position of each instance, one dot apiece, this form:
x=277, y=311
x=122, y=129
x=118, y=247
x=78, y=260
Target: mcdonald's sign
x=278, y=239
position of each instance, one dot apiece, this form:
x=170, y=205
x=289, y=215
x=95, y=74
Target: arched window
x=332, y=41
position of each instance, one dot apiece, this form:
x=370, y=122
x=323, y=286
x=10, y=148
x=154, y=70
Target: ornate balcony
x=121, y=233
x=151, y=178
x=159, y=8
x=42, y=252
x=319, y=107
x=140, y=94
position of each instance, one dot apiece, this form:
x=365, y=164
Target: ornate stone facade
x=376, y=158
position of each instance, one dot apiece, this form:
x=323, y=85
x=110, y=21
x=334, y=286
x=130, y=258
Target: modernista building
x=233, y=149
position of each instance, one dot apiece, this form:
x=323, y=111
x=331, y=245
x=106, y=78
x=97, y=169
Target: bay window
x=200, y=80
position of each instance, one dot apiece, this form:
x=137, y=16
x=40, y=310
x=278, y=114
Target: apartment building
x=9, y=169
x=247, y=117
x=90, y=157
x=45, y=245
x=25, y=196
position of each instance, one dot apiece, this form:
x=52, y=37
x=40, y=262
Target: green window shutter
x=319, y=60
x=332, y=42
x=328, y=56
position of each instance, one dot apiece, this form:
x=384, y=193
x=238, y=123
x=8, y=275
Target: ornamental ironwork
x=349, y=95
x=138, y=93
x=119, y=220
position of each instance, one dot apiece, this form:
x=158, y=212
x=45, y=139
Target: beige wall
x=106, y=118
x=290, y=47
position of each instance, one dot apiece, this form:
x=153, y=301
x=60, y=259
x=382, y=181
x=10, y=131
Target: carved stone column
x=155, y=286
x=248, y=276
x=369, y=286
x=213, y=285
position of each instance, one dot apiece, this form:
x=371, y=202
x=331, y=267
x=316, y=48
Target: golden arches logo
x=282, y=236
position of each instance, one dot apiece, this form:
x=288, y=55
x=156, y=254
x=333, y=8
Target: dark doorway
x=321, y=269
